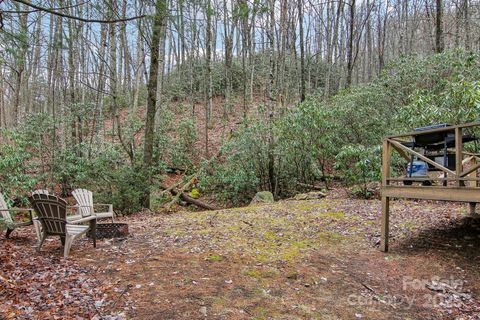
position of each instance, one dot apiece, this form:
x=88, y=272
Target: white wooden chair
x=52, y=214
x=11, y=225
x=86, y=206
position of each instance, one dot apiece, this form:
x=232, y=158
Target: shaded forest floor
x=289, y=260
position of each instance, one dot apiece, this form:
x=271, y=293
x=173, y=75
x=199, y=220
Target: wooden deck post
x=458, y=156
x=386, y=159
x=473, y=184
x=385, y=224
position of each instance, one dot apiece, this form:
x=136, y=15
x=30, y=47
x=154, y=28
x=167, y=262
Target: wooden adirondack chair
x=52, y=214
x=36, y=223
x=11, y=225
x=84, y=199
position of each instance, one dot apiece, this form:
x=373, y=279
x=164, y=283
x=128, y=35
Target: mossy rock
x=262, y=197
x=195, y=194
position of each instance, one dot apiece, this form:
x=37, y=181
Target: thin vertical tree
x=208, y=73
x=302, y=50
x=157, y=41
x=439, y=37
x=351, y=28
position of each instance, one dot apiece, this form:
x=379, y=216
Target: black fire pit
x=110, y=230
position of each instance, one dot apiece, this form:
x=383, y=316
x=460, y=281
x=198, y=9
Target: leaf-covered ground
x=290, y=260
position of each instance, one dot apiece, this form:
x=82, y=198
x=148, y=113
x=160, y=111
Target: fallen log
x=185, y=197
x=169, y=189
x=181, y=191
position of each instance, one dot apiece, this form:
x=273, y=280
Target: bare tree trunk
x=271, y=96
x=244, y=31
x=382, y=33
x=72, y=37
x=139, y=67
x=208, y=74
x=127, y=80
x=161, y=72
x=20, y=69
x=228, y=31
x=112, y=66
x=251, y=49
x=466, y=19
x=334, y=46
x=302, y=51
x=439, y=37
x=36, y=61
x=159, y=21
x=3, y=122
x=350, y=43
x=98, y=111
x=369, y=53
x=458, y=23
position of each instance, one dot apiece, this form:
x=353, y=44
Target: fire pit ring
x=110, y=230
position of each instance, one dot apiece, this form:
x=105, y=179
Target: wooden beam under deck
x=458, y=194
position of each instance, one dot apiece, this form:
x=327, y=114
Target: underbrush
x=342, y=136
x=37, y=155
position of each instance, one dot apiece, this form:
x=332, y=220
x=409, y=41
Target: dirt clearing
x=290, y=260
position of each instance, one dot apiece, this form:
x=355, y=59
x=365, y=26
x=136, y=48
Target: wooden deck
x=460, y=184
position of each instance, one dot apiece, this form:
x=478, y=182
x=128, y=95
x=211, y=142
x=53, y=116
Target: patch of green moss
x=195, y=194
x=218, y=302
x=302, y=244
x=353, y=229
x=294, y=250
x=253, y=273
x=214, y=258
x=337, y=215
x=260, y=313
x=306, y=206
x=290, y=254
x=270, y=235
x=174, y=232
x=265, y=254
x=409, y=225
x=262, y=273
x=203, y=231
x=329, y=236
x=336, y=236
x=233, y=227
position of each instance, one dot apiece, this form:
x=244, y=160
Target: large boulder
x=262, y=197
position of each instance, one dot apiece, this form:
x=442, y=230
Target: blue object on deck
x=419, y=169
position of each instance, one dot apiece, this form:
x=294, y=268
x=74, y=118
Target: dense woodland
x=108, y=94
